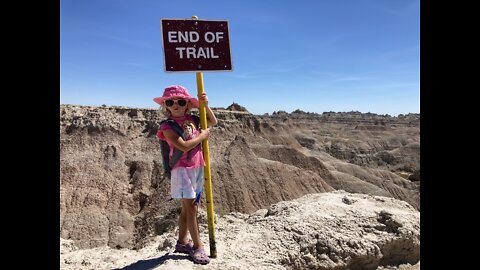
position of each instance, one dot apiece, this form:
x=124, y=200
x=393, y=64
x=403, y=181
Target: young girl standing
x=187, y=176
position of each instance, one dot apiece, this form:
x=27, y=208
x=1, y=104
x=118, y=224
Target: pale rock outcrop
x=333, y=230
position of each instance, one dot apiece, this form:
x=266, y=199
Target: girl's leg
x=192, y=225
x=182, y=226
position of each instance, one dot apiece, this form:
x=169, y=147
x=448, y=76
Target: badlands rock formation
x=334, y=230
x=113, y=191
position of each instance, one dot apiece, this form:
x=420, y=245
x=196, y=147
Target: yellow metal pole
x=207, y=175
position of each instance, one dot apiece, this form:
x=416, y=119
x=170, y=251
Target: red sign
x=196, y=45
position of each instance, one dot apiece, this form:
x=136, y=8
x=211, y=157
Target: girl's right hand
x=204, y=133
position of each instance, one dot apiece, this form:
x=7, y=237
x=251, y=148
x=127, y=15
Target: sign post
x=198, y=45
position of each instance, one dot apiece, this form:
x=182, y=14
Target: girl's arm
x=211, y=118
x=185, y=146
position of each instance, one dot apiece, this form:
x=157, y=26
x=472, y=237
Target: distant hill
x=237, y=107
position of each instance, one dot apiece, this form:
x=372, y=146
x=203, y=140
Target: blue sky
x=317, y=56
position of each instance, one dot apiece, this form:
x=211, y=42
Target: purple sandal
x=199, y=256
x=184, y=248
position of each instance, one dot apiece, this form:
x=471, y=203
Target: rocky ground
x=334, y=230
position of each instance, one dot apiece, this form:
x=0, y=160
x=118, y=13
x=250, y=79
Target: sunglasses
x=180, y=102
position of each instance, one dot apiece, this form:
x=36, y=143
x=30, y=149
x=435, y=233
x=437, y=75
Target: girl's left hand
x=204, y=99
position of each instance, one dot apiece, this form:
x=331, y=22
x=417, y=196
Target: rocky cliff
x=113, y=191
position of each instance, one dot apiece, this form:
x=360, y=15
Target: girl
x=187, y=175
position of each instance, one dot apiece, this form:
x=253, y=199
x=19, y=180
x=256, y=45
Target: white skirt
x=186, y=183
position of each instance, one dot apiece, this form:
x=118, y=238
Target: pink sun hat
x=177, y=91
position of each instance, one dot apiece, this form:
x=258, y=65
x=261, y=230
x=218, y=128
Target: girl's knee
x=189, y=207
